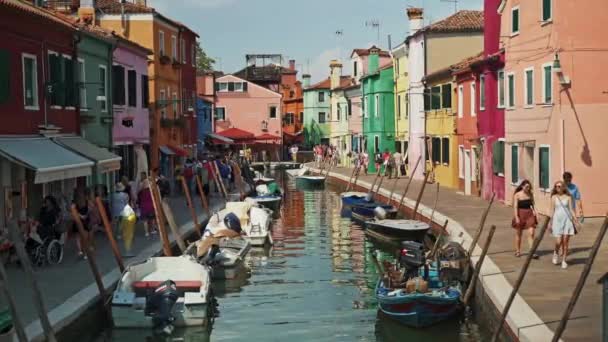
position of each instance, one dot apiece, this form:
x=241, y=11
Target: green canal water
x=315, y=284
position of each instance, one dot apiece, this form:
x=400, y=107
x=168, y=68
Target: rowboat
x=162, y=293
x=254, y=222
x=397, y=228
x=372, y=209
x=310, y=181
x=225, y=255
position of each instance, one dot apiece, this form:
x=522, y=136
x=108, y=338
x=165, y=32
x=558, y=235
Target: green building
x=378, y=108
x=317, y=112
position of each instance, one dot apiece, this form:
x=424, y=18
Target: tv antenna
x=455, y=2
x=374, y=24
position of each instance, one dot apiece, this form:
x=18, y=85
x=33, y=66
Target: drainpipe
x=77, y=38
x=45, y=59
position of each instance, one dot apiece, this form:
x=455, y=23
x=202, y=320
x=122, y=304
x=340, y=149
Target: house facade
x=293, y=113
x=317, y=128
x=400, y=67
x=354, y=100
x=551, y=91
x=432, y=48
x=339, y=110
x=187, y=69
x=205, y=109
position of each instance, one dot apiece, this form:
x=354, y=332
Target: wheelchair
x=44, y=245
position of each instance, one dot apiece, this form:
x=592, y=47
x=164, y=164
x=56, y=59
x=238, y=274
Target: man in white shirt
x=398, y=157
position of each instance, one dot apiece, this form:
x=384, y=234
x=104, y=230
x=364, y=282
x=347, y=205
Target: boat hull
x=367, y=210
x=400, y=234
x=310, y=183
x=271, y=202
x=129, y=316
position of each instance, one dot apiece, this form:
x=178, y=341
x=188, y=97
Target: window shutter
x=217, y=86
x=69, y=83
x=436, y=98
x=546, y=9
x=132, y=78
x=548, y=86
x=427, y=99
x=445, y=145
x=145, y=95
x=55, y=79
x=5, y=71
x=544, y=167
x=230, y=86
x=446, y=95
x=436, y=150
x=514, y=164
x=495, y=157
x=245, y=84
x=118, y=74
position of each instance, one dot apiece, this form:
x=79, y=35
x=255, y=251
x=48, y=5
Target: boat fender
x=232, y=222
x=380, y=213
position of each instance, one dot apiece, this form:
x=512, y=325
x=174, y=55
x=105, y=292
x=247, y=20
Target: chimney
x=292, y=64
x=86, y=11
x=141, y=3
x=373, y=60
x=416, y=19
x=335, y=72
x=305, y=81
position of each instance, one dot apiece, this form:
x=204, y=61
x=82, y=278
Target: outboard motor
x=209, y=257
x=232, y=222
x=380, y=213
x=160, y=306
x=412, y=257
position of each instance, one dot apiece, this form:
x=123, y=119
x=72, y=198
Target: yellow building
x=402, y=84
x=162, y=35
x=440, y=116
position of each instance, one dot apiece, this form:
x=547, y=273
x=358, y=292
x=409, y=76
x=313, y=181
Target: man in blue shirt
x=577, y=203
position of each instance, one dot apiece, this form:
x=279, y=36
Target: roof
x=345, y=82
x=438, y=75
x=236, y=134
x=366, y=52
x=461, y=21
x=466, y=63
x=263, y=73
x=109, y=35
x=38, y=11
x=325, y=84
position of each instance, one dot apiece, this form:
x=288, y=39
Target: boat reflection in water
x=202, y=334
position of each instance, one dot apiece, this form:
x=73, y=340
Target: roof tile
x=461, y=21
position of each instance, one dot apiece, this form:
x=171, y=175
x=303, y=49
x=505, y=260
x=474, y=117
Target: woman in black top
x=524, y=215
x=82, y=206
x=48, y=217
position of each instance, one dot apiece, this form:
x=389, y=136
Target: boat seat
x=181, y=284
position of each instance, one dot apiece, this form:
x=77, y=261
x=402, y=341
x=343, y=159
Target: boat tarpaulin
x=166, y=150
x=105, y=161
x=49, y=161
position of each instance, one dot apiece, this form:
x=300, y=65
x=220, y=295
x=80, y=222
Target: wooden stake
x=357, y=176
x=220, y=180
x=581, y=282
x=426, y=177
x=239, y=180
x=199, y=185
x=108, y=228
x=352, y=174
x=190, y=206
x=214, y=176
x=520, y=279
x=86, y=246
x=390, y=197
x=371, y=190
x=331, y=165
x=172, y=225
x=484, y=251
x=407, y=187
x=480, y=228
x=435, y=205
x=436, y=246
x=12, y=305
x=160, y=218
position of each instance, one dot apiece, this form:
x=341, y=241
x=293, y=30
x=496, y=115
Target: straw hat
x=120, y=187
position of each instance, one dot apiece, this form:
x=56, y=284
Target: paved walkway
x=63, y=283
x=546, y=288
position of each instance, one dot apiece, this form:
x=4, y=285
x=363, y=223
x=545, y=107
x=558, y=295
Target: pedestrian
x=119, y=200
x=399, y=168
x=365, y=161
x=82, y=207
x=294, y=153
x=94, y=214
x=386, y=157
x=563, y=224
x=524, y=215
x=128, y=188
x=146, y=207
x=127, y=227
x=577, y=202
x=377, y=160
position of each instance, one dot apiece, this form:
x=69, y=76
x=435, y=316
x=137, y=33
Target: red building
x=293, y=113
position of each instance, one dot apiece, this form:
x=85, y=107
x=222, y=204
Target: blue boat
x=357, y=202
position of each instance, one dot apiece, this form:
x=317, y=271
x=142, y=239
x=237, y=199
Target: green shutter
x=529, y=87
x=245, y=86
x=498, y=157
x=546, y=10
x=482, y=91
x=5, y=73
x=28, y=71
x=446, y=95
x=427, y=99
x=69, y=83
x=544, y=167
x=436, y=97
x=511, y=80
x=54, y=84
x=548, y=85
x=445, y=145
x=230, y=86
x=515, y=21
x=514, y=164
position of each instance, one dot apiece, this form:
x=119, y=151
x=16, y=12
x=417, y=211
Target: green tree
x=203, y=62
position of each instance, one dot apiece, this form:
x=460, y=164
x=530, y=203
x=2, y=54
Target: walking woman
x=82, y=206
x=563, y=224
x=146, y=207
x=524, y=215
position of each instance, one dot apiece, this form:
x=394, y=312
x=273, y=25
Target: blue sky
x=303, y=30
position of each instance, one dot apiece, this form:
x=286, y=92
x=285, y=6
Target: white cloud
x=319, y=66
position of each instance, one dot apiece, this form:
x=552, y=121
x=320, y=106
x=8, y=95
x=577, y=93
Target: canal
x=315, y=284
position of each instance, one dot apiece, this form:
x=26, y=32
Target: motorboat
x=163, y=293
x=372, y=210
x=399, y=228
x=268, y=195
x=296, y=172
x=224, y=254
x=254, y=222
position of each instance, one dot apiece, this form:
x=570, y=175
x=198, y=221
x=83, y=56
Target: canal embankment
x=546, y=290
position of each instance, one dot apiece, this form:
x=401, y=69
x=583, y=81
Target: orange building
x=293, y=113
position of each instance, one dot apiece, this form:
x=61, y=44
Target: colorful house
x=316, y=112
x=187, y=70
x=379, y=106
x=339, y=110
x=293, y=113
x=432, y=48
x=205, y=107
x=400, y=65
x=467, y=135
x=552, y=91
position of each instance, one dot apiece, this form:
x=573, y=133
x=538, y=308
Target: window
x=543, y=167
x=377, y=105
x=223, y=86
x=529, y=87
x=132, y=88
x=547, y=8
x=407, y=107
x=321, y=117
x=230, y=86
x=399, y=106
x=445, y=150
x=376, y=144
x=145, y=95
x=174, y=101
x=460, y=101
x=161, y=43
x=273, y=112
x=118, y=78
x=5, y=71
x=501, y=89
x=514, y=164
x=163, y=104
x=102, y=98
x=183, y=50
x=174, y=48
x=474, y=157
x=511, y=90
x=193, y=55
x=473, y=104
x=547, y=83
x=482, y=92
x=69, y=82
x=220, y=113
x=238, y=86
x=498, y=157
x=446, y=95
x=55, y=80
x=436, y=97
x=461, y=161
x=436, y=150
x=515, y=20
x=82, y=89
x=321, y=96
x=30, y=81
x=355, y=68
x=365, y=109
x=301, y=117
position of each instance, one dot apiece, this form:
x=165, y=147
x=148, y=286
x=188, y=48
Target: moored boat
x=310, y=181
x=253, y=221
x=396, y=228
x=372, y=209
x=225, y=255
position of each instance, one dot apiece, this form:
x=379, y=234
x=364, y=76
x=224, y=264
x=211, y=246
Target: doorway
x=467, y=172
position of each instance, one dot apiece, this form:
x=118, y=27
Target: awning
x=49, y=161
x=236, y=134
x=166, y=150
x=267, y=136
x=220, y=138
x=105, y=160
x=179, y=151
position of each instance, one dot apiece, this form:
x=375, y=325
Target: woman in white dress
x=563, y=224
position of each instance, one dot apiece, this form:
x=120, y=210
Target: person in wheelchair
x=44, y=233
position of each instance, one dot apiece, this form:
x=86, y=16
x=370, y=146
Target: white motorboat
x=162, y=293
x=225, y=255
x=255, y=221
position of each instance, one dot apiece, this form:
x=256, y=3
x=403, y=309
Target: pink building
x=554, y=97
x=247, y=106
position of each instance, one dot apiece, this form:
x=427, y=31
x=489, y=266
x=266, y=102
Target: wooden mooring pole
x=160, y=218
x=172, y=224
x=407, y=187
x=480, y=228
x=520, y=279
x=190, y=206
x=379, y=184
x=444, y=230
x=581, y=282
x=426, y=177
x=390, y=197
x=352, y=174
x=371, y=190
x=12, y=305
x=484, y=252
x=109, y=233
x=205, y=204
x=435, y=204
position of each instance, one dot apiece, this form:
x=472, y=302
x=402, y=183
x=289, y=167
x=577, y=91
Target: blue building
x=204, y=109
